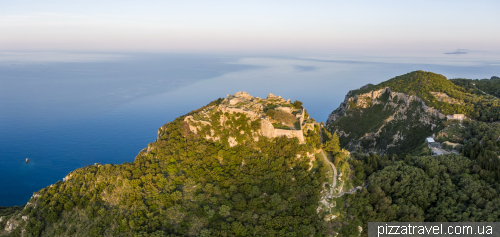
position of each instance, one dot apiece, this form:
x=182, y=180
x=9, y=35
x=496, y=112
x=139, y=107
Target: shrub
x=284, y=117
x=271, y=113
x=297, y=104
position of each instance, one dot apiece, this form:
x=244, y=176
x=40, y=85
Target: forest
x=406, y=188
x=184, y=185
x=479, y=87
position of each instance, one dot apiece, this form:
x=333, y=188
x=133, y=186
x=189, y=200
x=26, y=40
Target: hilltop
x=395, y=116
x=240, y=166
x=242, y=117
x=440, y=93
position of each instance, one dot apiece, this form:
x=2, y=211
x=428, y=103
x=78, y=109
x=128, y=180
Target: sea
x=66, y=110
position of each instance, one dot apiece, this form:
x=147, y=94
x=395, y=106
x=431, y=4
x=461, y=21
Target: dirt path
x=334, y=183
x=325, y=158
x=352, y=191
x=330, y=195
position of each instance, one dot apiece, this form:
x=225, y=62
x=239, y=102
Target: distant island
x=457, y=52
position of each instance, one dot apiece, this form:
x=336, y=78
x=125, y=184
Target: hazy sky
x=250, y=26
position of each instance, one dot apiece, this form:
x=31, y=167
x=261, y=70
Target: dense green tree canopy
x=186, y=185
x=428, y=188
x=333, y=144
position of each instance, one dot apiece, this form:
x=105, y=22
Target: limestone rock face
x=232, y=141
x=9, y=226
x=67, y=177
x=271, y=96
x=236, y=100
x=408, y=113
x=12, y=223
x=244, y=95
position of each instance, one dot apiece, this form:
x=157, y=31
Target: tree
x=333, y=145
x=297, y=104
x=224, y=210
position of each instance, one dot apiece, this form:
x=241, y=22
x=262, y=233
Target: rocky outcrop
x=407, y=113
x=244, y=95
x=445, y=98
x=14, y=222
x=32, y=200
x=252, y=109
x=232, y=141
x=67, y=177
x=361, y=101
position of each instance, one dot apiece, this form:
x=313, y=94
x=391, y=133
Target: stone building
x=455, y=116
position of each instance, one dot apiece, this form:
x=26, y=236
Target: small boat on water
x=27, y=160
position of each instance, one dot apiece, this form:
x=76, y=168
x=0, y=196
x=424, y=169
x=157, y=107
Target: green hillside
x=479, y=87
x=447, y=188
x=360, y=122
x=405, y=188
x=418, y=83
x=186, y=185
x=421, y=84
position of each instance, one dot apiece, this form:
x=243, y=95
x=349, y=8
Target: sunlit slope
x=396, y=115
x=195, y=180
x=426, y=84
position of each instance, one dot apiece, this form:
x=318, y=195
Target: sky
x=250, y=26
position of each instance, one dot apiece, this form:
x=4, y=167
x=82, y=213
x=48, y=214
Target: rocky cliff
x=383, y=121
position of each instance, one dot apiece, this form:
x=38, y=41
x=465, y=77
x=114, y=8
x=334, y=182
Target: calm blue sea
x=68, y=110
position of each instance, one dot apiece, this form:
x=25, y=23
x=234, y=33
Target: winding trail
x=334, y=183
x=330, y=195
x=325, y=158
x=334, y=179
x=352, y=191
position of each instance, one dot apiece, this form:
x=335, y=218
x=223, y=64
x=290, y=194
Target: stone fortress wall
x=267, y=129
x=242, y=102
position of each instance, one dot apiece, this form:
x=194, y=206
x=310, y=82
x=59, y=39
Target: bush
x=297, y=104
x=284, y=117
x=271, y=113
x=270, y=106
